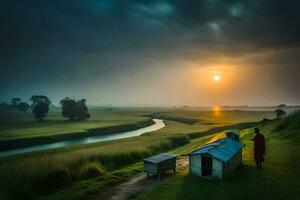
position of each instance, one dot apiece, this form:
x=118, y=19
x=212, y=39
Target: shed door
x=206, y=166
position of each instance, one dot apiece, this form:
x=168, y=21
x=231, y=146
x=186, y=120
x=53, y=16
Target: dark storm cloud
x=64, y=40
x=76, y=24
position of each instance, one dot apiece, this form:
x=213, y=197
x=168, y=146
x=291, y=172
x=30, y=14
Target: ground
x=137, y=184
x=279, y=178
x=86, y=171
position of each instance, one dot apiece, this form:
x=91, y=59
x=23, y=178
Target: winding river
x=158, y=124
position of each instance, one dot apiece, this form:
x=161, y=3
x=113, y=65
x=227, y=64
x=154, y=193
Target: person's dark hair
x=256, y=130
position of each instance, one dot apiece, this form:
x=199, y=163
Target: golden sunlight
x=216, y=110
x=217, y=77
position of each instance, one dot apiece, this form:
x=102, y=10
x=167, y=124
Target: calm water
x=158, y=125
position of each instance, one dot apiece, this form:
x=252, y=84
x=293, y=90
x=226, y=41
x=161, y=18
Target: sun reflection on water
x=216, y=110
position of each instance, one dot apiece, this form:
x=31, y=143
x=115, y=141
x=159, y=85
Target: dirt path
x=135, y=185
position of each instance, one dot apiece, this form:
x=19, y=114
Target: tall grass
x=39, y=174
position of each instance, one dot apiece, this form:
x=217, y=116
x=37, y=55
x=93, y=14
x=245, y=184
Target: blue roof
x=160, y=158
x=222, y=149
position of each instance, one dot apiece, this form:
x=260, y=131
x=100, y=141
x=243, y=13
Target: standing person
x=259, y=148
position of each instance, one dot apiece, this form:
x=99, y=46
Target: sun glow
x=216, y=110
x=216, y=84
x=217, y=77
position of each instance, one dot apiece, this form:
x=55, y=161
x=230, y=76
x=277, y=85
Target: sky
x=151, y=52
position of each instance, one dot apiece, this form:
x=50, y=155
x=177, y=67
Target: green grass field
x=79, y=171
x=21, y=130
x=20, y=125
x=279, y=178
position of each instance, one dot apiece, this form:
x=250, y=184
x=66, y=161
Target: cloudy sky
x=151, y=52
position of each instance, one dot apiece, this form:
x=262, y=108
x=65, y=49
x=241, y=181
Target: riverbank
x=8, y=144
x=16, y=125
x=100, y=137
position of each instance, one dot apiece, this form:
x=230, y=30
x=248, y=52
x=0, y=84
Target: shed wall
x=195, y=163
x=217, y=168
x=234, y=162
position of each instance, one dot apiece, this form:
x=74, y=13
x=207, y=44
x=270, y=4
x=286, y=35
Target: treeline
x=72, y=109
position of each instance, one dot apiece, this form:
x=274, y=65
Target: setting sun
x=217, y=78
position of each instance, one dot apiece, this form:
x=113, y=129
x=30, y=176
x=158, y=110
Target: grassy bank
x=6, y=144
x=22, y=125
x=279, y=179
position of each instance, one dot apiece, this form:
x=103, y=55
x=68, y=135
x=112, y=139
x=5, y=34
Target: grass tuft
x=91, y=170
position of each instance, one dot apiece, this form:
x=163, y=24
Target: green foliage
x=68, y=108
x=40, y=105
x=91, y=170
x=82, y=111
x=23, y=106
x=282, y=125
x=280, y=113
x=74, y=109
x=17, y=104
x=288, y=126
x=15, y=101
x=40, y=110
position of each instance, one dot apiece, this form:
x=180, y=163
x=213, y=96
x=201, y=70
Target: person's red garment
x=259, y=147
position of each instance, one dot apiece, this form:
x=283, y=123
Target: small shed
x=156, y=165
x=217, y=159
x=233, y=134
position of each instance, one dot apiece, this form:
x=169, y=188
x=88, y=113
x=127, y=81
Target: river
x=159, y=124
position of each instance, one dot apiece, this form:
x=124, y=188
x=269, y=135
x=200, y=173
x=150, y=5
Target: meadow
x=21, y=129
x=279, y=178
x=20, y=125
x=80, y=171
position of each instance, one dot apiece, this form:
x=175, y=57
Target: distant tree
x=15, y=102
x=74, y=109
x=279, y=113
x=69, y=108
x=82, y=112
x=23, y=106
x=40, y=105
x=281, y=105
